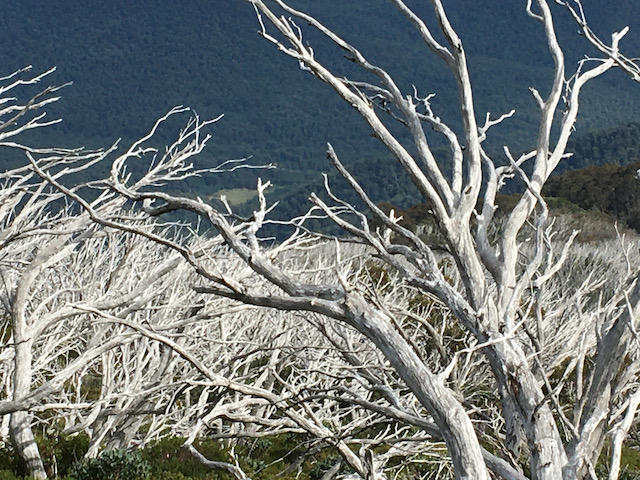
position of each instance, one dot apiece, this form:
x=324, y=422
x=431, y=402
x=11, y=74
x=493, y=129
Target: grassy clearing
x=235, y=196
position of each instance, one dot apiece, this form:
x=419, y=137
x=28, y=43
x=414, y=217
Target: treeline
x=602, y=174
x=600, y=180
x=615, y=146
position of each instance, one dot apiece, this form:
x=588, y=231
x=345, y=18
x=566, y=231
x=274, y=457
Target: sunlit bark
x=498, y=276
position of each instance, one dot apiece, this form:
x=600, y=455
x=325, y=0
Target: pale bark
x=25, y=445
x=494, y=276
x=20, y=201
x=485, y=316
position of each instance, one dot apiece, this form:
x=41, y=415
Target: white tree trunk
x=456, y=427
x=21, y=434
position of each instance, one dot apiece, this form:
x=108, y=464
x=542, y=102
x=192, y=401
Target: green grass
x=235, y=196
x=261, y=459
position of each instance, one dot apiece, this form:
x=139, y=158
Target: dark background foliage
x=130, y=62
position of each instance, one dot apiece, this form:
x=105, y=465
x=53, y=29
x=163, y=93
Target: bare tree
x=57, y=270
x=54, y=269
x=22, y=200
x=493, y=301
x=75, y=297
x=220, y=355
x=552, y=399
x=105, y=333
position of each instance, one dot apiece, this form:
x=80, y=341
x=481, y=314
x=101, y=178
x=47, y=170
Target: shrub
x=7, y=475
x=63, y=450
x=167, y=457
x=169, y=476
x=112, y=465
x=8, y=460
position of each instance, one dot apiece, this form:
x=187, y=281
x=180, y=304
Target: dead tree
x=492, y=302
x=493, y=274
x=72, y=296
x=22, y=200
x=57, y=270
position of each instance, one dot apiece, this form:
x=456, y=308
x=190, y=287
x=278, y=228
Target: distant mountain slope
x=386, y=182
x=606, y=190
x=611, y=189
x=602, y=174
x=618, y=146
x=132, y=61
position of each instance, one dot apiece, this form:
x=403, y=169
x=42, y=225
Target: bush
x=170, y=476
x=62, y=450
x=8, y=460
x=112, y=465
x=167, y=458
x=7, y=475
x=59, y=452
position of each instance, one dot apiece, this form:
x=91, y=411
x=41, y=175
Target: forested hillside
x=131, y=62
x=599, y=175
x=616, y=146
x=599, y=178
x=612, y=189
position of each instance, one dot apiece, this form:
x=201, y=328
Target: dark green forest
x=610, y=189
x=131, y=62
